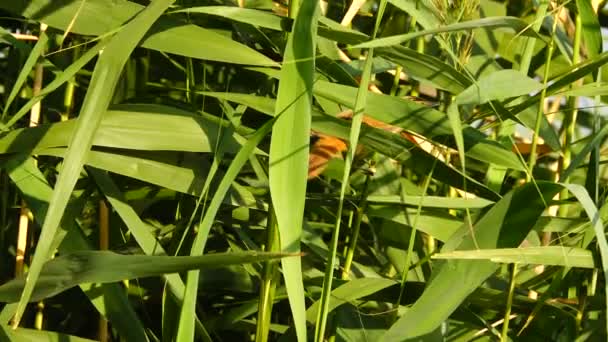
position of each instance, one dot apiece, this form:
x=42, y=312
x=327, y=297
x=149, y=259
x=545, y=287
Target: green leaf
x=440, y=226
x=328, y=28
x=564, y=79
x=289, y=151
x=548, y=255
x=586, y=202
x=186, y=327
x=517, y=24
x=66, y=271
x=113, y=302
x=499, y=85
x=425, y=12
x=355, y=130
x=155, y=168
x=59, y=80
x=243, y=15
x=427, y=68
x=455, y=122
x=350, y=292
x=101, y=88
x=146, y=127
x=505, y=225
x=32, y=58
x=597, y=139
x=421, y=119
x=592, y=35
x=167, y=34
x=588, y=90
x=26, y=335
x=431, y=201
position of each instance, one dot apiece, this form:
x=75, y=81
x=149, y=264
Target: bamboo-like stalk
x=354, y=236
x=526, y=58
x=569, y=122
x=322, y=315
x=594, y=162
x=25, y=214
x=104, y=243
x=294, y=6
x=70, y=87
x=22, y=238
x=352, y=11
x=270, y=278
x=546, y=238
x=568, y=138
x=506, y=129
x=540, y=113
x=410, y=246
x=512, y=280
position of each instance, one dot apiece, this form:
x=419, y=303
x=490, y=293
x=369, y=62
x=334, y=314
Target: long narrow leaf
x=506, y=224
x=548, y=255
x=516, y=24
x=37, y=193
x=98, y=98
x=186, y=328
x=289, y=151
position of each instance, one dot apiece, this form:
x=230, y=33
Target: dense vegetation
x=303, y=170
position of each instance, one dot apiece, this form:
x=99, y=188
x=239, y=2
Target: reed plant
x=258, y=170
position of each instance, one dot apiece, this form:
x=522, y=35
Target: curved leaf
x=547, y=255
x=167, y=34
x=66, y=271
x=506, y=224
x=105, y=78
x=514, y=23
x=499, y=85
x=146, y=127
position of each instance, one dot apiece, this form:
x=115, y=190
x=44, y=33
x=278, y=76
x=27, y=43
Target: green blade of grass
x=142, y=234
x=289, y=151
x=598, y=138
x=548, y=255
x=66, y=271
x=22, y=334
x=440, y=226
x=355, y=130
x=185, y=331
x=167, y=34
x=392, y=145
x=327, y=27
x=37, y=193
x=425, y=13
x=135, y=127
x=514, y=23
x=359, y=107
x=506, y=224
x=243, y=15
x=59, y=80
x=32, y=58
x=499, y=85
x=592, y=35
x=350, y=292
x=105, y=77
x=430, y=201
x=421, y=119
x=586, y=202
x=427, y=68
x=564, y=80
